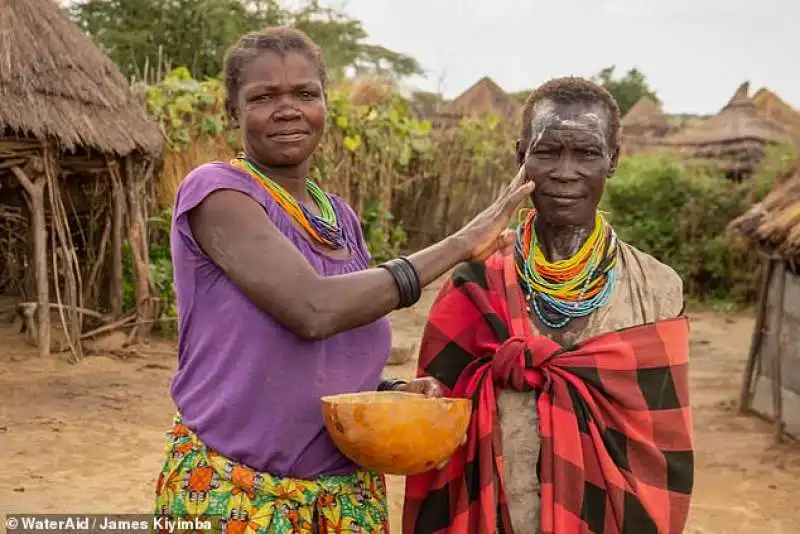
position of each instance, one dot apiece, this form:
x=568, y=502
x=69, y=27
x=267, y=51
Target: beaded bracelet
x=407, y=280
x=390, y=383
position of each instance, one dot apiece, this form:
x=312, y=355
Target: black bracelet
x=402, y=271
x=407, y=280
x=390, y=383
x=399, y=279
x=416, y=283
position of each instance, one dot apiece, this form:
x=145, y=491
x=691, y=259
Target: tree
x=426, y=103
x=144, y=37
x=156, y=35
x=628, y=89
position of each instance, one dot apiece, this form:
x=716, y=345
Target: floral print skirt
x=198, y=485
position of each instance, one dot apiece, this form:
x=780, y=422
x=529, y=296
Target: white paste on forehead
x=545, y=116
x=590, y=120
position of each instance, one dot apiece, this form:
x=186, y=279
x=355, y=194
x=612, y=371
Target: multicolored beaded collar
x=325, y=229
x=561, y=291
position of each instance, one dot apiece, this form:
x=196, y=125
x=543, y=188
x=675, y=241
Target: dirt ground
x=89, y=437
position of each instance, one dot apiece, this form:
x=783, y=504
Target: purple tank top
x=247, y=386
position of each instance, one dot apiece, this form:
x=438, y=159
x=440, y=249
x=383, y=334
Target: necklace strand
x=561, y=291
x=324, y=228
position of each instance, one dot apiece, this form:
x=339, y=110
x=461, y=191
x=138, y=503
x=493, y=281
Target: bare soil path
x=88, y=438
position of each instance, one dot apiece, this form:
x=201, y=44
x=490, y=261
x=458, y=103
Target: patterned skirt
x=199, y=486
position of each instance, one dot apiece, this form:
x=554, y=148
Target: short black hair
x=279, y=39
x=569, y=90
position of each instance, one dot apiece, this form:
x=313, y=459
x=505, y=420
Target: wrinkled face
x=280, y=108
x=569, y=158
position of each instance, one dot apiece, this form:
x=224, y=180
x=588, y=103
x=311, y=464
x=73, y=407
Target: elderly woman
x=573, y=345
x=278, y=306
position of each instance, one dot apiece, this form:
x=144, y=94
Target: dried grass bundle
x=774, y=223
x=372, y=91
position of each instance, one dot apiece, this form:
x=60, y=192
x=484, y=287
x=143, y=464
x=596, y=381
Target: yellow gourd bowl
x=393, y=432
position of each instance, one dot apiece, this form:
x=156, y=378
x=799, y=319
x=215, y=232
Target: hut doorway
x=771, y=385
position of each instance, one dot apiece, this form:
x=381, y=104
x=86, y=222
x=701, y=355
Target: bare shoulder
x=662, y=285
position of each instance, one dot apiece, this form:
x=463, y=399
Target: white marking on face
x=545, y=116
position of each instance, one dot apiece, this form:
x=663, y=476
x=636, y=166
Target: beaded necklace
x=561, y=291
x=324, y=229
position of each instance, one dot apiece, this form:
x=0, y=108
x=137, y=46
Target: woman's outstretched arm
x=234, y=232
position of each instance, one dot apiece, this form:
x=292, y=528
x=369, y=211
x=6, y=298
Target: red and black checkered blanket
x=615, y=424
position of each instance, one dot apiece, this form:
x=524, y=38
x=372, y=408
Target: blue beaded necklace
x=565, y=290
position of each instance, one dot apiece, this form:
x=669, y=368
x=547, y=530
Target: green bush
x=678, y=213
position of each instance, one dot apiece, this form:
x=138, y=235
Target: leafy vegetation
x=146, y=37
x=628, y=89
x=678, y=212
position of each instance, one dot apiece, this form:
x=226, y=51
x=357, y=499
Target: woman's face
x=280, y=108
x=569, y=158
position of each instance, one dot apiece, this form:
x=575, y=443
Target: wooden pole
x=139, y=252
x=777, y=379
x=117, y=216
x=65, y=257
x=35, y=190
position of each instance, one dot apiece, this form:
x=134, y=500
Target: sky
x=695, y=53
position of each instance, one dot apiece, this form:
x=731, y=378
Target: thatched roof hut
x=55, y=83
x=735, y=138
x=774, y=108
x=642, y=124
x=681, y=121
x=483, y=98
x=77, y=152
x=771, y=385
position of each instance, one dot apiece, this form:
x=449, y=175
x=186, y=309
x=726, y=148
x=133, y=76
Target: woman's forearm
x=352, y=300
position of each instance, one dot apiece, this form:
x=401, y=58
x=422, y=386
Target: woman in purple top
x=277, y=311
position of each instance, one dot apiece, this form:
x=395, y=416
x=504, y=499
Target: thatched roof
x=774, y=223
x=645, y=114
x=679, y=121
x=773, y=107
x=55, y=83
x=738, y=120
x=485, y=97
